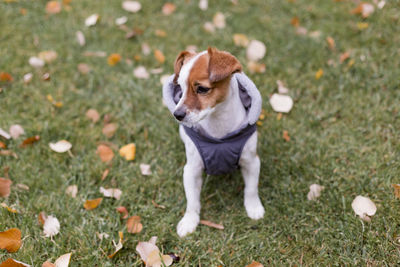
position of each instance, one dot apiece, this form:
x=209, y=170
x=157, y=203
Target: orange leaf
x=113, y=59
x=396, y=190
x=12, y=263
x=133, y=224
x=42, y=217
x=168, y=8
x=30, y=141
x=5, y=187
x=105, y=173
x=123, y=211
x=159, y=56
x=53, y=7
x=10, y=240
x=344, y=56
x=211, y=224
x=6, y=77
x=3, y=145
x=295, y=22
x=286, y=136
x=255, y=264
x=331, y=43
x=105, y=153
x=48, y=264
x=91, y=204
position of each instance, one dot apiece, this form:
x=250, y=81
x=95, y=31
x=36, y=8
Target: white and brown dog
x=217, y=106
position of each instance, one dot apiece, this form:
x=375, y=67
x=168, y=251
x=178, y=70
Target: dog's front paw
x=254, y=208
x=188, y=224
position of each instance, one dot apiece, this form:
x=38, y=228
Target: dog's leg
x=250, y=166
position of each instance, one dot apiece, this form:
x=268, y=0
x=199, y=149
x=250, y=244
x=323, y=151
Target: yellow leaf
x=113, y=59
x=319, y=74
x=295, y=22
x=362, y=25
x=91, y=204
x=240, y=40
x=159, y=56
x=10, y=240
x=128, y=151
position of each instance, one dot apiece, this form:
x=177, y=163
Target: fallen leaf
x=3, y=145
x=396, y=190
x=118, y=246
x=168, y=8
x=23, y=187
x=331, y=43
x=131, y=6
x=315, y=34
x=16, y=130
x=36, y=62
x=113, y=59
x=364, y=9
x=240, y=40
x=219, y=20
x=91, y=204
x=46, y=77
x=363, y=207
x=128, y=151
x=63, y=261
x=13, y=263
x=80, y=37
x=93, y=115
x=209, y=27
x=256, y=50
x=28, y=78
x=5, y=77
x=111, y=192
x=48, y=56
x=48, y=264
x=146, y=50
x=5, y=187
x=281, y=87
x=362, y=25
x=159, y=56
x=211, y=224
x=84, y=68
x=105, y=153
x=286, y=136
x=8, y=153
x=255, y=264
x=157, y=205
x=203, y=4
x=61, y=146
x=141, y=73
x=51, y=226
x=123, y=211
x=281, y=103
x=344, y=56
x=319, y=74
x=133, y=225
x=53, y=7
x=295, y=22
x=315, y=191
x=4, y=205
x=105, y=173
x=10, y=240
x=92, y=20
x=154, y=259
x=4, y=134
x=301, y=31
x=95, y=54
x=255, y=67
x=30, y=140
x=120, y=21
x=381, y=4
x=145, y=169
x=72, y=190
x=160, y=33
x=109, y=129
x=150, y=254
x=102, y=235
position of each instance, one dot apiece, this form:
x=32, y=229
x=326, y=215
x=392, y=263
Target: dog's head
x=204, y=79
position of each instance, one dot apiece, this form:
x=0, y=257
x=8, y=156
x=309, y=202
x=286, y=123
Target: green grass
x=344, y=130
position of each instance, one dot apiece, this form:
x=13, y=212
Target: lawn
x=344, y=133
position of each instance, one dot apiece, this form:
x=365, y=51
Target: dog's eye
x=202, y=89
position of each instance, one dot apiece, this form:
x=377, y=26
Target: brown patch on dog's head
x=180, y=60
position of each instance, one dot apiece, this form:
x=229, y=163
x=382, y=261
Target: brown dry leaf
x=211, y=224
x=30, y=140
x=344, y=56
x=396, y=190
x=113, y=59
x=128, y=151
x=330, y=42
x=3, y=145
x=159, y=56
x=105, y=153
x=118, y=246
x=13, y=263
x=93, y=115
x=6, y=77
x=133, y=225
x=123, y=211
x=91, y=204
x=295, y=22
x=42, y=217
x=105, y=173
x=53, y=7
x=286, y=136
x=255, y=264
x=168, y=8
x=160, y=33
x=109, y=129
x=5, y=187
x=10, y=240
x=319, y=74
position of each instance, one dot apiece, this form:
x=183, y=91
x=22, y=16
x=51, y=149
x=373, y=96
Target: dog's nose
x=180, y=114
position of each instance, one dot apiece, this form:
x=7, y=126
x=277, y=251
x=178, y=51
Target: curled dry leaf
x=4, y=134
x=141, y=73
x=111, y=192
x=168, y=8
x=133, y=225
x=113, y=59
x=281, y=103
x=123, y=211
x=72, y=190
x=105, y=173
x=102, y=235
x=30, y=140
x=28, y=78
x=36, y=62
x=48, y=56
x=209, y=27
x=241, y=40
x=84, y=68
x=16, y=130
x=255, y=264
x=53, y=7
x=319, y=74
x=131, y=6
x=315, y=191
x=159, y=56
x=51, y=226
x=61, y=146
x=80, y=37
x=121, y=21
x=203, y=4
x=128, y=151
x=93, y=115
x=396, y=190
x=150, y=254
x=63, y=261
x=91, y=204
x=23, y=187
x=5, y=187
x=364, y=207
x=92, y=20
x=211, y=224
x=105, y=153
x=145, y=169
x=10, y=240
x=109, y=129
x=219, y=20
x=255, y=50
x=118, y=246
x=13, y=263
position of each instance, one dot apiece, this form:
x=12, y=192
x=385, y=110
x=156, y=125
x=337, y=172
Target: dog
x=217, y=107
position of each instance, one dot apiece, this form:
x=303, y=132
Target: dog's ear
x=221, y=65
x=180, y=59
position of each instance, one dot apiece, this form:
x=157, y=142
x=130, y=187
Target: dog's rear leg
x=192, y=181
